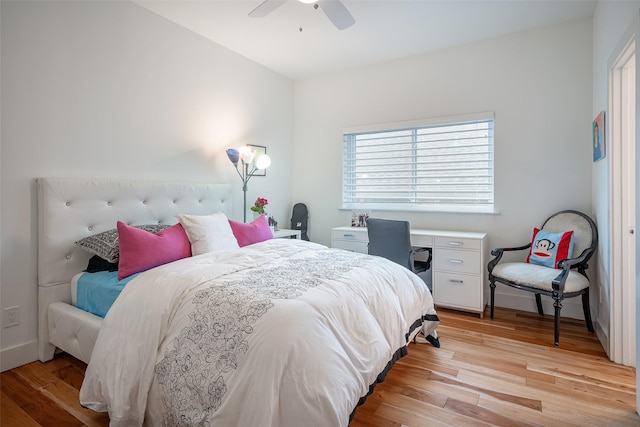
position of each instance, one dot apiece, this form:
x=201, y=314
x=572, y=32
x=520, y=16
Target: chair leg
x=556, y=332
x=539, y=304
x=492, y=285
x=587, y=310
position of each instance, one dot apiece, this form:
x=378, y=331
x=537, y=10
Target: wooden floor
x=504, y=372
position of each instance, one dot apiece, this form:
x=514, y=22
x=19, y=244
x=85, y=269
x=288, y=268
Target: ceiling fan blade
x=265, y=8
x=337, y=13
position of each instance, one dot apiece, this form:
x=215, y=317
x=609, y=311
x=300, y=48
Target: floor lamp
x=247, y=163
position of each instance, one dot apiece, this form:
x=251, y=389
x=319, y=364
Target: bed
x=279, y=333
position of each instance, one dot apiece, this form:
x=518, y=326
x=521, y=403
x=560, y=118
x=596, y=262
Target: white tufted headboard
x=71, y=208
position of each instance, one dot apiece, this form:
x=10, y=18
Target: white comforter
x=280, y=333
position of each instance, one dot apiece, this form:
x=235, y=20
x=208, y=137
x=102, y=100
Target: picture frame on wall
x=259, y=150
x=598, y=135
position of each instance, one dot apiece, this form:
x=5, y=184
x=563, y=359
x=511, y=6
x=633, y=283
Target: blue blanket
x=96, y=292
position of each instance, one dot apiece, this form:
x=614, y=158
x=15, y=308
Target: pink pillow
x=141, y=250
x=256, y=231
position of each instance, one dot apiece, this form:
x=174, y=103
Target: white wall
x=538, y=83
x=610, y=21
x=111, y=90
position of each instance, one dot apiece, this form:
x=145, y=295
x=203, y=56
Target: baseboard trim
x=19, y=355
x=603, y=337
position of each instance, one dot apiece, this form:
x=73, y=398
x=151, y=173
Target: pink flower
x=259, y=205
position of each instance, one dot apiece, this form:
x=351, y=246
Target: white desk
x=286, y=233
x=458, y=266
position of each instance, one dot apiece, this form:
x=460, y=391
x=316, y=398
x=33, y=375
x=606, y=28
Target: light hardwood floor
x=504, y=372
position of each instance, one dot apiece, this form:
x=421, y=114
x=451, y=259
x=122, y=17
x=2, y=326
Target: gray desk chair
x=391, y=239
x=567, y=279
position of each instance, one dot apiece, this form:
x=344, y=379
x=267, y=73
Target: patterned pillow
x=105, y=244
x=549, y=249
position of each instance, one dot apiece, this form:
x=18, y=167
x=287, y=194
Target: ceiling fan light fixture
x=334, y=9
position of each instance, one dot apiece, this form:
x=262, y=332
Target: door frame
x=623, y=131
x=621, y=137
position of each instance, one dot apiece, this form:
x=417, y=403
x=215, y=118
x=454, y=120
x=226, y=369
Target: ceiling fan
x=334, y=9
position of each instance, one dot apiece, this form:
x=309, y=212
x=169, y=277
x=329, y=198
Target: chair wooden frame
x=557, y=291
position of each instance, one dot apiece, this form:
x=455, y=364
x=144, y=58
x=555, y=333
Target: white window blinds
x=442, y=164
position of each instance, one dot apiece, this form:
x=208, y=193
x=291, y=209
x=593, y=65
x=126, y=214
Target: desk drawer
x=458, y=290
x=457, y=261
x=352, y=246
x=457, y=243
x=354, y=235
x=421, y=241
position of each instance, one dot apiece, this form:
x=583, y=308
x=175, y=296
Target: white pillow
x=208, y=233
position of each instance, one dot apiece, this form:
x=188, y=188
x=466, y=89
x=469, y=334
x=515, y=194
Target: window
x=443, y=164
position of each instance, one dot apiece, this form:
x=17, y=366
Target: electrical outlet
x=11, y=316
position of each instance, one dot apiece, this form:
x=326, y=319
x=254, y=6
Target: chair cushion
x=549, y=248
x=538, y=276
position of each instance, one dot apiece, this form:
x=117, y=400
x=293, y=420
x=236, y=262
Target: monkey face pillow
x=549, y=249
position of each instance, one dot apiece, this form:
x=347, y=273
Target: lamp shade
x=247, y=154
x=234, y=156
x=263, y=161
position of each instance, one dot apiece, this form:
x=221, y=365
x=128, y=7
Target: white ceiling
x=384, y=29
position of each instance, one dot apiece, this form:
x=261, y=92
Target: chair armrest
x=570, y=262
x=558, y=283
x=566, y=265
x=419, y=250
x=498, y=252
